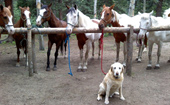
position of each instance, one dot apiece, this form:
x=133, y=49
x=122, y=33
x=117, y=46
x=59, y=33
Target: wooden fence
x=34, y=31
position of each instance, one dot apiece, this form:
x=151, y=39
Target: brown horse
x=46, y=14
x=109, y=16
x=20, y=39
x=6, y=19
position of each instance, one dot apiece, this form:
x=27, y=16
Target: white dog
x=112, y=82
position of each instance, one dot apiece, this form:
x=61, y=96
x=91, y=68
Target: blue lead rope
x=67, y=39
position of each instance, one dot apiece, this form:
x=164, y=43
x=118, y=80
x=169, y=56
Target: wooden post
x=34, y=54
x=129, y=51
x=29, y=51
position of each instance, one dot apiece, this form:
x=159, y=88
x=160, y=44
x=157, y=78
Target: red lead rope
x=101, y=48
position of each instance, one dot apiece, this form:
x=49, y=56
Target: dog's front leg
x=121, y=93
x=107, y=94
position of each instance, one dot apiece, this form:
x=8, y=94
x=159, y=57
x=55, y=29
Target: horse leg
x=48, y=55
x=65, y=49
x=139, y=59
x=125, y=53
x=92, y=50
x=56, y=56
x=18, y=53
x=157, y=66
x=149, y=66
x=99, y=49
x=88, y=45
x=81, y=61
x=25, y=54
x=117, y=51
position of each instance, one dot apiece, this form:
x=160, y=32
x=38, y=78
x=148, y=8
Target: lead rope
x=67, y=39
x=101, y=47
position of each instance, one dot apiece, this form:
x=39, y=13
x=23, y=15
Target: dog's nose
x=117, y=74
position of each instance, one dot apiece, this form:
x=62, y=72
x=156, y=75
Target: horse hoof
x=55, y=69
x=156, y=67
x=139, y=61
x=17, y=65
x=78, y=70
x=168, y=61
x=148, y=68
x=136, y=59
x=84, y=70
x=47, y=69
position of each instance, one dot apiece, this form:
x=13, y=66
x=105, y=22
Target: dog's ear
x=122, y=69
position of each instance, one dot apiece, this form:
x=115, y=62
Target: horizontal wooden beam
x=84, y=30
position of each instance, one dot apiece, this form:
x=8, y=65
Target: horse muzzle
x=101, y=26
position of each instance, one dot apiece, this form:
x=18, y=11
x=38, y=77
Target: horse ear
x=49, y=5
x=67, y=7
x=20, y=7
x=111, y=7
x=104, y=6
x=9, y=7
x=1, y=7
x=28, y=8
x=139, y=13
x=75, y=6
x=151, y=12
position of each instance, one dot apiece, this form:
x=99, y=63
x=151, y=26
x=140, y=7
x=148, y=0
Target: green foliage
x=86, y=6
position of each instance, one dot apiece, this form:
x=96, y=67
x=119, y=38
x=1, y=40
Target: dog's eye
x=119, y=68
x=114, y=68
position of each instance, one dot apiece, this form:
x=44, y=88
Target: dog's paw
x=106, y=102
x=122, y=98
x=116, y=93
x=99, y=98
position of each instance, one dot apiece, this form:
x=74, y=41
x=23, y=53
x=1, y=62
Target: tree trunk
x=60, y=10
x=9, y=3
x=144, y=6
x=95, y=7
x=131, y=8
x=159, y=8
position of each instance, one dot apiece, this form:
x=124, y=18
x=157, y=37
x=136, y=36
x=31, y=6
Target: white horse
x=166, y=13
x=148, y=21
x=75, y=18
x=110, y=16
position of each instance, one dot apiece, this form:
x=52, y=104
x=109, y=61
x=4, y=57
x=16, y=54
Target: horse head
x=145, y=24
x=44, y=14
x=25, y=15
x=72, y=18
x=107, y=16
x=6, y=19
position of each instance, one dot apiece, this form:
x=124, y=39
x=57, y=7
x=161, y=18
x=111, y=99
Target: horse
x=6, y=20
x=46, y=14
x=21, y=39
x=75, y=18
x=110, y=16
x=148, y=21
x=166, y=13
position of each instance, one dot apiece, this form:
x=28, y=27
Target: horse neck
x=54, y=21
x=116, y=24
x=19, y=23
x=2, y=23
x=83, y=20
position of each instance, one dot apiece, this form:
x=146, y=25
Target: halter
x=106, y=21
x=77, y=21
x=45, y=17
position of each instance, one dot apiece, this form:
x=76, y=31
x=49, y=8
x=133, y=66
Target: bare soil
x=144, y=87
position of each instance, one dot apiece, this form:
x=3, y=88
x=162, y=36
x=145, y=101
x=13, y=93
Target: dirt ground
x=144, y=87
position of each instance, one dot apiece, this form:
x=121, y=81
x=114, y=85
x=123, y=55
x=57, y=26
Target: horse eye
x=5, y=17
x=45, y=12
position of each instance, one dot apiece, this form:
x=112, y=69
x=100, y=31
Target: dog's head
x=117, y=69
